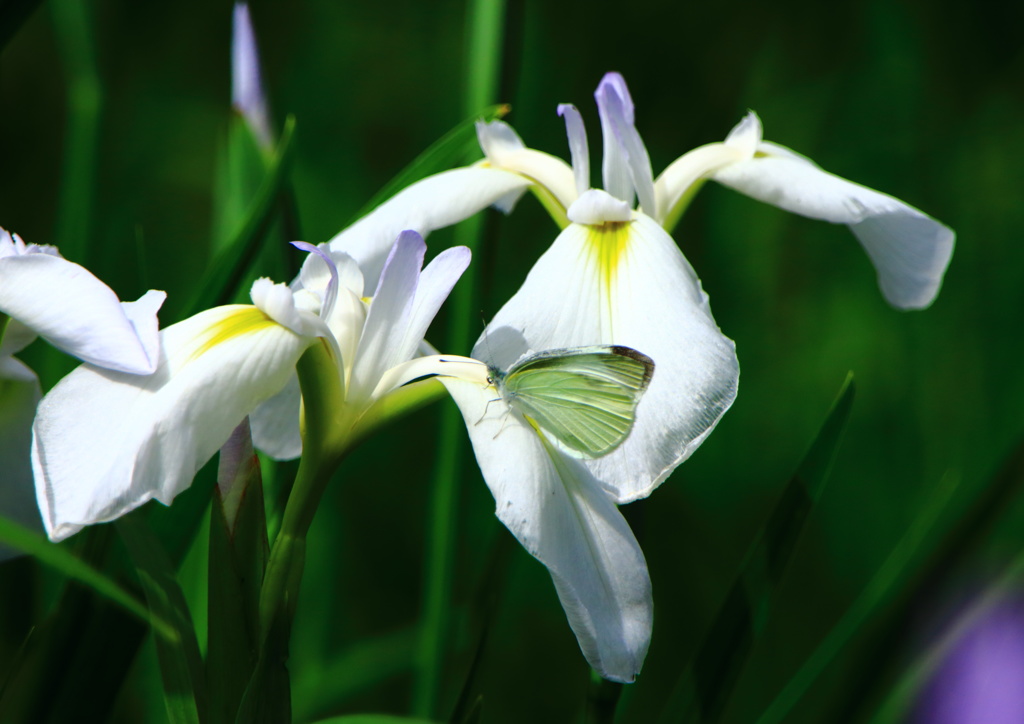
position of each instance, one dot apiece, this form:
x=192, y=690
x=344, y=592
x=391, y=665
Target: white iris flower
x=43, y=294
x=106, y=442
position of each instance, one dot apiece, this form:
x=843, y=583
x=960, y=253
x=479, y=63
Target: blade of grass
x=481, y=614
x=181, y=665
x=704, y=687
x=228, y=266
x=450, y=150
x=486, y=22
x=956, y=552
x=66, y=563
x=364, y=664
x=871, y=599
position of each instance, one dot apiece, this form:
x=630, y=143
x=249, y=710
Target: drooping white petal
x=433, y=203
x=16, y=338
x=910, y=250
x=627, y=284
x=505, y=150
x=19, y=395
x=579, y=150
x=622, y=140
x=77, y=313
x=106, y=442
x=563, y=517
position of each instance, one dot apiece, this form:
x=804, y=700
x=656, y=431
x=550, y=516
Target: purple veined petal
x=331, y=293
x=616, y=110
x=247, y=93
x=563, y=517
x=579, y=150
x=106, y=442
x=19, y=396
x=434, y=286
x=614, y=166
x=77, y=313
x=388, y=316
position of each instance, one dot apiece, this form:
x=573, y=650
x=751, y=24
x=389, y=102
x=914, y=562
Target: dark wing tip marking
x=640, y=357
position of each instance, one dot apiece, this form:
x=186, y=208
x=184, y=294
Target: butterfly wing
x=586, y=397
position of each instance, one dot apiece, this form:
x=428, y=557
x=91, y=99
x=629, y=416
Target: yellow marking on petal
x=608, y=241
x=246, y=320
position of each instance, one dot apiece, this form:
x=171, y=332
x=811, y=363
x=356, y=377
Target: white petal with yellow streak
x=106, y=442
x=627, y=284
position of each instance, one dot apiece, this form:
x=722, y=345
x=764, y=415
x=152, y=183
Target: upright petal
x=388, y=316
x=246, y=87
x=79, y=314
x=563, y=517
x=106, y=442
x=910, y=250
x=435, y=284
x=623, y=148
x=19, y=395
x=579, y=150
x=432, y=203
x=627, y=284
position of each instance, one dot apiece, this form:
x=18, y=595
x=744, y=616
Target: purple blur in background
x=981, y=679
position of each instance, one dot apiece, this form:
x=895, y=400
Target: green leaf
x=230, y=262
x=448, y=151
x=704, y=687
x=62, y=561
x=241, y=168
x=326, y=686
x=181, y=665
x=872, y=598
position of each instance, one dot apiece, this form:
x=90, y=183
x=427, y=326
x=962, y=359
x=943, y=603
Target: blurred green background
x=920, y=100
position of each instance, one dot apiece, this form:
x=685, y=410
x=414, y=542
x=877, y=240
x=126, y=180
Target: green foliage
x=705, y=686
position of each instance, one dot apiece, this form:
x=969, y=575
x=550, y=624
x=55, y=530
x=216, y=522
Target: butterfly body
x=586, y=397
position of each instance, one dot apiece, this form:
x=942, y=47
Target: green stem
x=4, y=320
x=324, y=444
